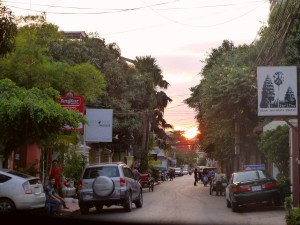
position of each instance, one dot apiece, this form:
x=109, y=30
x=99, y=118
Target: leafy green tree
x=31, y=116
x=31, y=66
x=74, y=164
x=8, y=31
x=130, y=88
x=275, y=145
x=226, y=96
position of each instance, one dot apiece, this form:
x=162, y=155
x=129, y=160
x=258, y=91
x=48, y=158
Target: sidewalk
x=72, y=205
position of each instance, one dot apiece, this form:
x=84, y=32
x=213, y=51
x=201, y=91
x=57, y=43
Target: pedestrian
x=53, y=201
x=136, y=173
x=57, y=174
x=195, y=176
x=218, y=178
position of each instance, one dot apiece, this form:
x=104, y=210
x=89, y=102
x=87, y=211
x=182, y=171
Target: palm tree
x=148, y=67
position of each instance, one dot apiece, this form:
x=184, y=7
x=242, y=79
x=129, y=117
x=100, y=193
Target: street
x=180, y=202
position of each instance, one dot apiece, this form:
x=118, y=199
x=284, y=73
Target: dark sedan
x=255, y=186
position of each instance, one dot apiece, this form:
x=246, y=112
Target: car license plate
x=256, y=188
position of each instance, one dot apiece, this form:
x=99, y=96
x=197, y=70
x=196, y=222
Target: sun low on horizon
x=189, y=133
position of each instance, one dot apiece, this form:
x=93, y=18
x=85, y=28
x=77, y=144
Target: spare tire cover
x=103, y=186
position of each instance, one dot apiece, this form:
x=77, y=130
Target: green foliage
x=31, y=66
x=292, y=217
x=226, y=95
x=288, y=202
x=8, y=31
x=275, y=145
x=74, y=164
x=31, y=116
x=31, y=169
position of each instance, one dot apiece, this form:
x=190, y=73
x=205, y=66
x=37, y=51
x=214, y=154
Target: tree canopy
x=275, y=144
x=30, y=116
x=8, y=30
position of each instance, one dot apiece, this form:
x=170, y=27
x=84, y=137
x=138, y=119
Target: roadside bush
x=285, y=188
x=292, y=216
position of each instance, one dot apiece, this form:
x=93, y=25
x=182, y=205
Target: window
x=4, y=178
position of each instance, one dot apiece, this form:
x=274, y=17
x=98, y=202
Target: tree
x=275, y=145
x=31, y=66
x=31, y=116
x=225, y=96
x=8, y=31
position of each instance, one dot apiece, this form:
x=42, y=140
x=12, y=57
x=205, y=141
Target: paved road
x=180, y=202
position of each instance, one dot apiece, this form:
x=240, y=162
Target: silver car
x=109, y=184
x=20, y=191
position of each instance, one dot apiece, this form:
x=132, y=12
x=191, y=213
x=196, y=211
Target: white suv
x=109, y=184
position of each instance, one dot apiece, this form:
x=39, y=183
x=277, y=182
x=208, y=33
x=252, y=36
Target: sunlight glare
x=191, y=132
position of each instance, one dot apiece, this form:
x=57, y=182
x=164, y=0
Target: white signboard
x=99, y=127
x=277, y=91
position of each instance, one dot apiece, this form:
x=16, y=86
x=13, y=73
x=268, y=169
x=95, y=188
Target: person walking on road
x=195, y=176
x=218, y=179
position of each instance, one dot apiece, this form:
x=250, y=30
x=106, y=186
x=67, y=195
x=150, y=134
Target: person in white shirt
x=218, y=178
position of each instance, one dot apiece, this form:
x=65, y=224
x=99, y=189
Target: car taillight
x=241, y=189
x=122, y=182
x=270, y=185
x=26, y=187
x=80, y=184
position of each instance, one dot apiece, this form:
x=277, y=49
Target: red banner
x=73, y=102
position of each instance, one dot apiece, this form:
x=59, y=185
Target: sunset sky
x=178, y=33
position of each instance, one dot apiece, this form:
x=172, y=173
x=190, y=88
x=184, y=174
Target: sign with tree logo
x=277, y=91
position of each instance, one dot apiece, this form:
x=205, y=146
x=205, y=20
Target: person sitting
x=54, y=202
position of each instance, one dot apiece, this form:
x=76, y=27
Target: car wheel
x=103, y=186
x=234, y=206
x=84, y=209
x=99, y=207
x=228, y=204
x=277, y=201
x=139, y=202
x=128, y=203
x=7, y=206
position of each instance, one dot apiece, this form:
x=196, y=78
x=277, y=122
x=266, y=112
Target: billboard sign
x=277, y=90
x=73, y=102
x=99, y=127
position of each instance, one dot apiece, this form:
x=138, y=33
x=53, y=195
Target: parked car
x=109, y=184
x=254, y=186
x=178, y=171
x=19, y=191
x=185, y=171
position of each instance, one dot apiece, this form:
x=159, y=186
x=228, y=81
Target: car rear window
x=109, y=171
x=35, y=181
x=249, y=175
x=16, y=173
x=4, y=178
